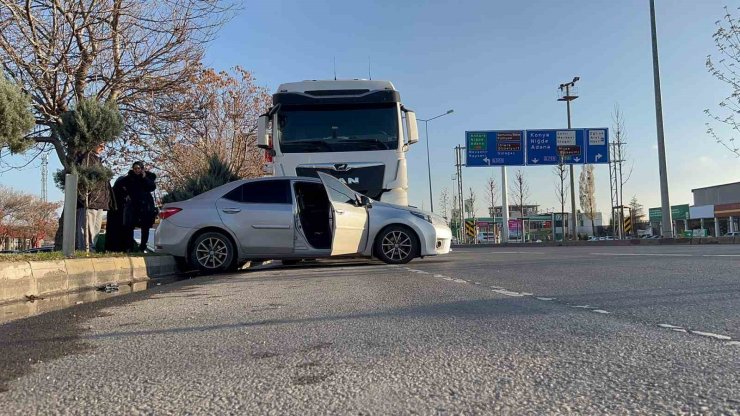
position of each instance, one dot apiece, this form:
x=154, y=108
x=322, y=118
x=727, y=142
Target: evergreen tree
x=218, y=173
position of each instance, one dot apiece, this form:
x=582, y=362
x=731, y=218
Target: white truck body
x=355, y=130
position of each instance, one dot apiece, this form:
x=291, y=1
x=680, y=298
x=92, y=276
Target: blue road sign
x=547, y=147
x=597, y=145
x=495, y=148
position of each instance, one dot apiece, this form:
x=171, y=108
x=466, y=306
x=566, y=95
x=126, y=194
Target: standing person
x=133, y=193
x=92, y=201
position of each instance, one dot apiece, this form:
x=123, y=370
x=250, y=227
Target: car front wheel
x=396, y=245
x=212, y=252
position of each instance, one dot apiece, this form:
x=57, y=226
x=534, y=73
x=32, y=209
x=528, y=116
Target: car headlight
x=423, y=216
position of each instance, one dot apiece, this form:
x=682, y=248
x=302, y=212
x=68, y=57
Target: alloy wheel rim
x=212, y=253
x=396, y=245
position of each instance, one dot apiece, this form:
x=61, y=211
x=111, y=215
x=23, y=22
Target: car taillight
x=168, y=212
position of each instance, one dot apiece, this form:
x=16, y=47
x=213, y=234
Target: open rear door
x=349, y=227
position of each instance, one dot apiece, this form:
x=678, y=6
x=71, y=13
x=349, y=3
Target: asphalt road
x=602, y=330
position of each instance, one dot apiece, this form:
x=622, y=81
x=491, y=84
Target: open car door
x=349, y=225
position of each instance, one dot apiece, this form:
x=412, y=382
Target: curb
x=23, y=279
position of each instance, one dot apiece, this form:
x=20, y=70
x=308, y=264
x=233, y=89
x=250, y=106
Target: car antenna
x=335, y=68
x=368, y=69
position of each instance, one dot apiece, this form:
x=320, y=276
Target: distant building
x=514, y=211
x=716, y=209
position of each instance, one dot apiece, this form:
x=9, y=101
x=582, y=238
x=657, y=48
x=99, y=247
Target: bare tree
x=727, y=40
x=492, y=196
x=26, y=217
x=587, y=194
x=139, y=54
x=561, y=189
x=470, y=204
x=618, y=174
x=520, y=195
x=227, y=106
x=638, y=212
x=520, y=190
x=444, y=203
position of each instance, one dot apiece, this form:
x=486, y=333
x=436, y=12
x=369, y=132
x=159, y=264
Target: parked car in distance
x=733, y=234
x=486, y=237
x=294, y=218
x=44, y=249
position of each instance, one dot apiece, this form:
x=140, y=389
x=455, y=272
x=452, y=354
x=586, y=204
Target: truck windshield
x=309, y=129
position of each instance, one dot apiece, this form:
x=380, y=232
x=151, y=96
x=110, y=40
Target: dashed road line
x=502, y=291
x=712, y=335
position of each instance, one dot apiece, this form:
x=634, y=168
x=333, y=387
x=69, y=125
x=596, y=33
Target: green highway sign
x=678, y=212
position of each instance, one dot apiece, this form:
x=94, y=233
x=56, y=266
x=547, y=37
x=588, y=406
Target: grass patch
x=57, y=255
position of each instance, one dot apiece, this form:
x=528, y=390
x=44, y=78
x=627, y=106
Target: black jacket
x=134, y=196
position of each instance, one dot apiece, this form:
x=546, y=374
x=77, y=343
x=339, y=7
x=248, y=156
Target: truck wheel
x=396, y=244
x=212, y=252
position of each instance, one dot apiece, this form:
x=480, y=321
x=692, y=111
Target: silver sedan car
x=294, y=218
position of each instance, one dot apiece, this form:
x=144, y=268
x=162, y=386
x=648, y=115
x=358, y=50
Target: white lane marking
x=448, y=278
x=582, y=306
x=733, y=343
x=477, y=283
x=601, y=311
x=646, y=254
x=545, y=299
x=508, y=293
x=679, y=330
x=712, y=335
x=439, y=275
x=669, y=326
x=720, y=255
x=459, y=281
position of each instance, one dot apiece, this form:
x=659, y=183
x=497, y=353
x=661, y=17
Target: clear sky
x=498, y=65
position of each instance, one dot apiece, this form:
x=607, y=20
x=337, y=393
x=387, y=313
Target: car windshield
x=310, y=129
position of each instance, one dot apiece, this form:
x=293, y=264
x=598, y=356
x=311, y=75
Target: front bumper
x=443, y=240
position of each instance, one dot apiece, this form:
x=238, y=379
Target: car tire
x=396, y=244
x=212, y=252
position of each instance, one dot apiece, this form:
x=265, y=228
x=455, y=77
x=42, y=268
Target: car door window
x=262, y=192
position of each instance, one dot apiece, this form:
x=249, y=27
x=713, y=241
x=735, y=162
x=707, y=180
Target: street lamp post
x=665, y=205
x=429, y=165
x=568, y=96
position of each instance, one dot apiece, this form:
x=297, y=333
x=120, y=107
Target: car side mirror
x=363, y=200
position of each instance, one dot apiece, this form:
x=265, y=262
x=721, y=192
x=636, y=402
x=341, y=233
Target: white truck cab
x=355, y=130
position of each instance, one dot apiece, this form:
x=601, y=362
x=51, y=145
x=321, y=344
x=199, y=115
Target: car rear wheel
x=396, y=245
x=212, y=252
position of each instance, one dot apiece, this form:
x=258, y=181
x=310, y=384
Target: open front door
x=349, y=225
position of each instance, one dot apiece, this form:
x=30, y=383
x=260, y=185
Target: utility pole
x=667, y=230
x=568, y=97
x=460, y=196
x=504, y=206
x=45, y=177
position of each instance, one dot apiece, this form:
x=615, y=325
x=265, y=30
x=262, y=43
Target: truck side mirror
x=413, y=130
x=263, y=140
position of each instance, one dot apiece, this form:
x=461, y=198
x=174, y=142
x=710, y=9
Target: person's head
x=138, y=167
x=99, y=148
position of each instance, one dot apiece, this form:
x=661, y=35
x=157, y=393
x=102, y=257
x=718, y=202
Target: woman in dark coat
x=135, y=208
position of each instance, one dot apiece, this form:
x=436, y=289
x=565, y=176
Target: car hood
x=436, y=219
